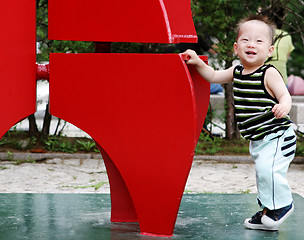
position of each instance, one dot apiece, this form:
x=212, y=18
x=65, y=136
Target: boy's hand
x=205, y=71
x=191, y=57
x=280, y=110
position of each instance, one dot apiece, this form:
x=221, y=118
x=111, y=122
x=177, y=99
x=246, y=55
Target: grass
x=95, y=186
x=19, y=141
x=221, y=146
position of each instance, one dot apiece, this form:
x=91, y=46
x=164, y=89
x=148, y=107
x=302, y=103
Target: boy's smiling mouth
x=250, y=53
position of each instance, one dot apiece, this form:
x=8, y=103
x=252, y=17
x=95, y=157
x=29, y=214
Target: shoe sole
x=267, y=221
x=258, y=226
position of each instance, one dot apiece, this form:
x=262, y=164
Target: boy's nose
x=251, y=44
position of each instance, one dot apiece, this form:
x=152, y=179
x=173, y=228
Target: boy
x=262, y=103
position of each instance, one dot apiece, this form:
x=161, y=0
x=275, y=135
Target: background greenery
x=208, y=145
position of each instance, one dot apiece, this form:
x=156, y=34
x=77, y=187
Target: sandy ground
x=89, y=176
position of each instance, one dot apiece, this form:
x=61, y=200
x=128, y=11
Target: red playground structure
x=144, y=111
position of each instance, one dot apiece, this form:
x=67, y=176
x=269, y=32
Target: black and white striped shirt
x=253, y=105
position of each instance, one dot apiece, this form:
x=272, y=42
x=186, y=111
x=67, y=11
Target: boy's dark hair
x=260, y=18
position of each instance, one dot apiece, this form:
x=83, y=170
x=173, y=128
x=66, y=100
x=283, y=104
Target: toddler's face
x=253, y=44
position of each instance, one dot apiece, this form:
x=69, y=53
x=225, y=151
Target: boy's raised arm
x=207, y=72
x=276, y=87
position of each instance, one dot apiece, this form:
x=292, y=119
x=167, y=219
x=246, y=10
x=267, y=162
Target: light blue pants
x=272, y=156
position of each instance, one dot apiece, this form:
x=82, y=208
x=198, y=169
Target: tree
x=218, y=18
x=288, y=14
x=294, y=24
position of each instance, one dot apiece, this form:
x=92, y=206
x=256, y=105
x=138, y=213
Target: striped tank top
x=253, y=105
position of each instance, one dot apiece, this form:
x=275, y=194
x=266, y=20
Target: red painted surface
x=202, y=96
x=17, y=62
x=159, y=21
x=142, y=110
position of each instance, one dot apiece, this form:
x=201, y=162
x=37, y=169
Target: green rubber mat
x=87, y=217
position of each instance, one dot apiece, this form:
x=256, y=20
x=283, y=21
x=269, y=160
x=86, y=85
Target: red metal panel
x=141, y=110
x=17, y=62
x=180, y=20
x=159, y=21
x=202, y=96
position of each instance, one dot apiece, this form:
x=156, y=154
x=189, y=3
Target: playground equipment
x=149, y=126
x=149, y=108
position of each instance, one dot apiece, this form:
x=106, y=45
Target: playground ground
x=88, y=175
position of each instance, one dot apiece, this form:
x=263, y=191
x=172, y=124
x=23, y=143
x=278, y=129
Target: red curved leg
x=17, y=62
x=141, y=109
x=122, y=207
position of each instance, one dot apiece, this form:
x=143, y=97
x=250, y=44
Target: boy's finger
x=185, y=57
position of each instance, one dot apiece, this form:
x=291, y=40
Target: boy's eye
x=259, y=41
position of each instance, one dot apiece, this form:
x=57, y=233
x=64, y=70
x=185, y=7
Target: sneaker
x=255, y=223
x=274, y=218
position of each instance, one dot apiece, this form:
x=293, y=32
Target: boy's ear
x=270, y=51
x=235, y=47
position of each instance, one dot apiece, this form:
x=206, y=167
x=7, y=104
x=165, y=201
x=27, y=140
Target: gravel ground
x=89, y=176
